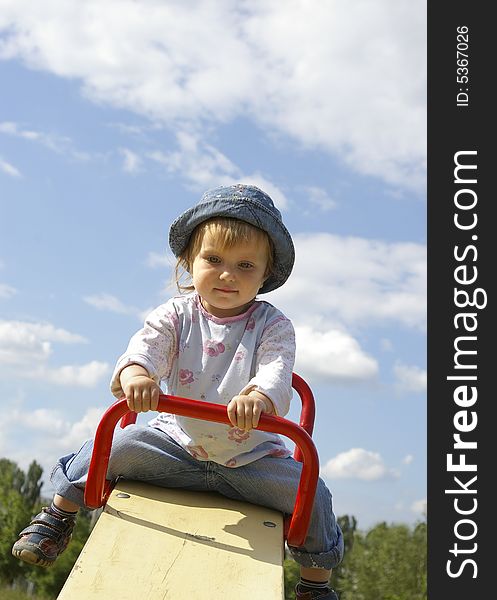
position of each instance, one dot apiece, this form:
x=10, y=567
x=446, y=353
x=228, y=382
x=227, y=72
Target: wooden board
x=152, y=543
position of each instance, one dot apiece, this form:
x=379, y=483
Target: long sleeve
x=275, y=360
x=153, y=347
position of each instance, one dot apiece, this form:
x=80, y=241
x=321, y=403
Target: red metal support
x=308, y=412
x=98, y=488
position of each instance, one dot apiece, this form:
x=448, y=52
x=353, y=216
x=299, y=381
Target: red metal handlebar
x=97, y=488
x=307, y=413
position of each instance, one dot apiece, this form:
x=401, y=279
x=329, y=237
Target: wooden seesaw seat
x=154, y=543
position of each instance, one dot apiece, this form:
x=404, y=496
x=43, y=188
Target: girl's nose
x=227, y=274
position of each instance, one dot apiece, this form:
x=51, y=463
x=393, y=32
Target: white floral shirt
x=200, y=356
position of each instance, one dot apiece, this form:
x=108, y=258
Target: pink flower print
x=197, y=452
x=240, y=355
x=230, y=463
x=213, y=348
x=185, y=376
x=250, y=324
x=238, y=435
x=279, y=452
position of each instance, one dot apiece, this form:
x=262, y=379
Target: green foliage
x=16, y=594
x=292, y=576
x=31, y=487
x=19, y=495
x=341, y=573
x=19, y=501
x=388, y=563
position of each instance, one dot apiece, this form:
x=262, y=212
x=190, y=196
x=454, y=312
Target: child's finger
x=149, y=398
x=154, y=400
x=232, y=416
x=256, y=415
x=240, y=415
x=145, y=400
x=246, y=411
x=132, y=401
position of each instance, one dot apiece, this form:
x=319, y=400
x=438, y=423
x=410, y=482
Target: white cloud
x=110, y=303
x=332, y=355
x=84, y=428
x=198, y=161
x=346, y=282
x=204, y=166
x=88, y=375
x=11, y=128
x=357, y=463
x=155, y=260
x=364, y=102
x=131, y=161
x=7, y=291
x=410, y=378
x=9, y=168
x=25, y=349
x=407, y=460
x=51, y=434
x=419, y=506
x=22, y=342
x=55, y=142
x=320, y=198
x=356, y=281
x=45, y=420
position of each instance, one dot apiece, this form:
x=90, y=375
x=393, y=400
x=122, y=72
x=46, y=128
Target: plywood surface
x=152, y=543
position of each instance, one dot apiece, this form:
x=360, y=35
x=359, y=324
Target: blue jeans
x=146, y=454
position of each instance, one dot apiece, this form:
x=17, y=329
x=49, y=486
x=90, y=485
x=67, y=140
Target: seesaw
x=154, y=543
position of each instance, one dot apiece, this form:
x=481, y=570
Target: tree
x=31, y=487
x=19, y=501
x=387, y=562
x=348, y=525
x=19, y=495
x=292, y=576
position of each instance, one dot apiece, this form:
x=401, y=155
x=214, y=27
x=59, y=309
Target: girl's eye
x=213, y=259
x=246, y=265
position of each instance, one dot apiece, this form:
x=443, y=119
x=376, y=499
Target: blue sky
x=115, y=116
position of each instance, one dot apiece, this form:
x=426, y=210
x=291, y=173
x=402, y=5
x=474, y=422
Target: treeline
x=388, y=562
x=19, y=501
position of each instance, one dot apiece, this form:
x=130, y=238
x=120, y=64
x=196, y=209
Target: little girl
x=219, y=344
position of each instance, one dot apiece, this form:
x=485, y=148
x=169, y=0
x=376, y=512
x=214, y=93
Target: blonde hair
x=227, y=232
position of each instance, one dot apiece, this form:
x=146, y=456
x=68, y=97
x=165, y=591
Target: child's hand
x=141, y=391
x=244, y=411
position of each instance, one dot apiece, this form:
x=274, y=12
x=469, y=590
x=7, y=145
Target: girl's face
x=228, y=279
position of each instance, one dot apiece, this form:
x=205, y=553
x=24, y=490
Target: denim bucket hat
x=246, y=203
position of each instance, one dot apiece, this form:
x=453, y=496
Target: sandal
x=46, y=537
x=327, y=594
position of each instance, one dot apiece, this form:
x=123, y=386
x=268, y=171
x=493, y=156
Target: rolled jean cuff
x=70, y=490
x=320, y=560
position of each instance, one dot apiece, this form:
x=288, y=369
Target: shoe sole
x=31, y=558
